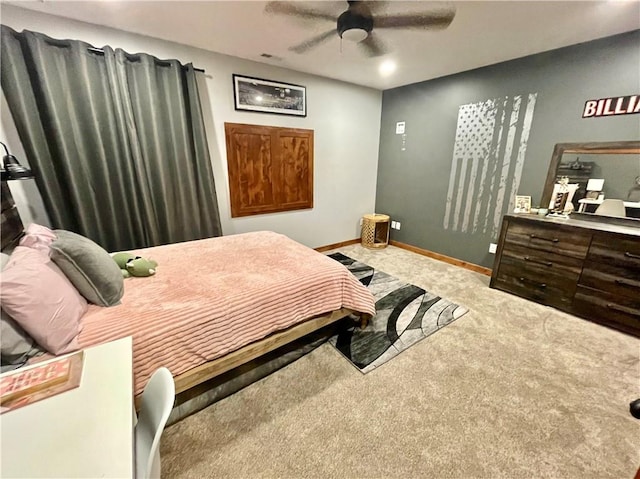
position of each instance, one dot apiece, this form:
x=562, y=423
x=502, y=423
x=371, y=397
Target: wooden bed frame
x=254, y=350
x=186, y=384
x=12, y=230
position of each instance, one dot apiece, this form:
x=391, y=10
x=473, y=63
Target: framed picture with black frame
x=269, y=96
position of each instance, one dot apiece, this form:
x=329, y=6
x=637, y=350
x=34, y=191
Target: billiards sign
x=617, y=105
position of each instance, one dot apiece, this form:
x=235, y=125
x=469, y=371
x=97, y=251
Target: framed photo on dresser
x=523, y=204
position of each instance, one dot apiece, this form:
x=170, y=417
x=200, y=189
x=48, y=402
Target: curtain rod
x=100, y=51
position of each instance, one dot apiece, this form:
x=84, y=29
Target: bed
x=217, y=303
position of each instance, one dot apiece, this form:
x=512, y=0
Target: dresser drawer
x=570, y=242
x=548, y=275
x=543, y=261
x=531, y=289
x=615, y=250
x=609, y=309
x=614, y=279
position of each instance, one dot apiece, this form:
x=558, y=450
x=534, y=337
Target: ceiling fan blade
x=294, y=10
x=367, y=8
x=376, y=5
x=313, y=42
x=432, y=20
x=373, y=46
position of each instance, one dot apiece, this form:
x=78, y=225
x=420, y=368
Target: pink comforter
x=213, y=296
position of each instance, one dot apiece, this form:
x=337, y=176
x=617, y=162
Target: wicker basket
x=375, y=231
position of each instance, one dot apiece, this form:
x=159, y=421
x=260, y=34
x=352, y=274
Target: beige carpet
x=510, y=390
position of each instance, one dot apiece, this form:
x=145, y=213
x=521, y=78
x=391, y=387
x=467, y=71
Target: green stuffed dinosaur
x=132, y=265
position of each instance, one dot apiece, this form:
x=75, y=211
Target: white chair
x=155, y=406
x=612, y=207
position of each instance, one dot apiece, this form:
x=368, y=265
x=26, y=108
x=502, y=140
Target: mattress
x=213, y=296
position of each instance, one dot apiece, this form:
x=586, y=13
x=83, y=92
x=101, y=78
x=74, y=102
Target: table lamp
x=12, y=169
x=594, y=188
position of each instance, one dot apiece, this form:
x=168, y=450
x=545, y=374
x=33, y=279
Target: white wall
x=344, y=117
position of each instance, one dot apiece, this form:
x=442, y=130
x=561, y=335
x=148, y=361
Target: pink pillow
x=39, y=297
x=38, y=237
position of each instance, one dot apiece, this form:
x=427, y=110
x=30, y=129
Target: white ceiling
x=482, y=32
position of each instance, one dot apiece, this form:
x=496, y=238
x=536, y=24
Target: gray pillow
x=16, y=346
x=89, y=267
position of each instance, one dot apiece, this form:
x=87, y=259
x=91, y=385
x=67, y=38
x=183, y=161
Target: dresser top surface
x=578, y=223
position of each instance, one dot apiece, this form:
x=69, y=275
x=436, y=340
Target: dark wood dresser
x=587, y=268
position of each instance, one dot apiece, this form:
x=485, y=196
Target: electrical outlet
x=360, y=221
x=393, y=225
x=492, y=248
x=397, y=225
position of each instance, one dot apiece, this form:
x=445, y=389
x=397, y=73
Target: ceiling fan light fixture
x=356, y=24
x=355, y=35
x=354, y=27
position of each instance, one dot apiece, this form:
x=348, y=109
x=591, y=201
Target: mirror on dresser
x=610, y=170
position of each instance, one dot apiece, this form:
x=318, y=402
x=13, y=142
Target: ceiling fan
x=359, y=21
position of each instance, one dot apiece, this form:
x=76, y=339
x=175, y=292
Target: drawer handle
x=625, y=282
x=622, y=309
x=631, y=255
x=545, y=263
x=553, y=240
x=525, y=280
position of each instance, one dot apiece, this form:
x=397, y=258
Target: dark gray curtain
x=116, y=141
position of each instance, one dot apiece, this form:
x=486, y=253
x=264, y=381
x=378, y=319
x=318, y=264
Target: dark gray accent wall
x=414, y=169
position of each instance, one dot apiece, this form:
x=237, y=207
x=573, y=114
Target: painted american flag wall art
x=488, y=159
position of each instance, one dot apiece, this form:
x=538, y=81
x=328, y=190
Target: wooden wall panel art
x=270, y=169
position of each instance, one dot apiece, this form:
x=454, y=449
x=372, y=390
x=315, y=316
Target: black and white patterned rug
x=405, y=314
